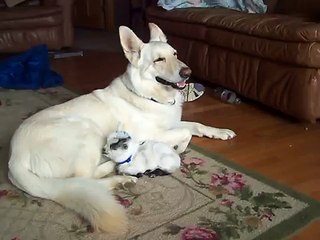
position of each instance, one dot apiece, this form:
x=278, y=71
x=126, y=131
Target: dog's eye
x=125, y=146
x=175, y=54
x=160, y=59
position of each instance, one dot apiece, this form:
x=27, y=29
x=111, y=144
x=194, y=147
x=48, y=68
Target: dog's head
x=156, y=61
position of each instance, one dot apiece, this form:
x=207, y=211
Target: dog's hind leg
x=104, y=169
x=155, y=173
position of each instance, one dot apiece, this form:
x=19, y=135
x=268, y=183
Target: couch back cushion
x=272, y=4
x=309, y=8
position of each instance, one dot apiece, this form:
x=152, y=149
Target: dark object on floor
x=226, y=95
x=29, y=70
x=65, y=53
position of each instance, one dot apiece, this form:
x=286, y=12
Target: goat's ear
x=156, y=33
x=130, y=43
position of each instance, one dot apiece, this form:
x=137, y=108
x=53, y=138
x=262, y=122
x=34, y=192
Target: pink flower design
x=229, y=181
x=123, y=201
x=3, y=193
x=198, y=233
x=193, y=160
x=268, y=215
x=184, y=169
x=227, y=202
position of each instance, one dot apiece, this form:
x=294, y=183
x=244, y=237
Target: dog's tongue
x=182, y=84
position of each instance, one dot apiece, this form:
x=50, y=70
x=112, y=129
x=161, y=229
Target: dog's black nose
x=185, y=72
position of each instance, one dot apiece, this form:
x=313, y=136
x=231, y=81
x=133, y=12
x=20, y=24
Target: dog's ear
x=156, y=33
x=130, y=43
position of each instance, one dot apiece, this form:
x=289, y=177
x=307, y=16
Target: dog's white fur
x=55, y=154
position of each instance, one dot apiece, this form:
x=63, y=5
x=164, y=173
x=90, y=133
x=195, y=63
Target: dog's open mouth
x=179, y=85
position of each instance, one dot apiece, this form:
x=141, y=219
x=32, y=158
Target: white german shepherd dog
x=56, y=153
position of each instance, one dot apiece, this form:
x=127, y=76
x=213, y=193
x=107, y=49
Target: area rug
x=209, y=198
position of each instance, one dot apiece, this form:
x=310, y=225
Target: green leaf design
x=228, y=232
x=239, y=208
x=203, y=219
x=219, y=196
x=270, y=200
x=247, y=210
x=207, y=223
x=224, y=171
x=214, y=209
x=188, y=175
x=201, y=172
x=172, y=229
x=255, y=208
x=250, y=229
x=232, y=218
x=246, y=193
x=233, y=233
x=279, y=194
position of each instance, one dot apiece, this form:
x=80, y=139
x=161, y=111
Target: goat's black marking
x=116, y=145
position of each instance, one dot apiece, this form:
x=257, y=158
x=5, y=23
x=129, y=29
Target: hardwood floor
x=268, y=143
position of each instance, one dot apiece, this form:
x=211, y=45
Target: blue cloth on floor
x=29, y=70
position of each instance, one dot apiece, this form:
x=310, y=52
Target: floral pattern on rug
x=206, y=199
x=241, y=209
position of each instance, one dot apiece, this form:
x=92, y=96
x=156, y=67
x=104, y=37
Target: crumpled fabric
x=250, y=6
x=29, y=70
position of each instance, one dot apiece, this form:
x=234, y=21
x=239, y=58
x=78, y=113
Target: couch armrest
x=68, y=31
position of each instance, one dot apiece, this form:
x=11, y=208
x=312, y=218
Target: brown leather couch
x=273, y=58
x=24, y=26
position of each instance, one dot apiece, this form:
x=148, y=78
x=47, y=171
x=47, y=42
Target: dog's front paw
x=224, y=134
x=128, y=180
x=131, y=179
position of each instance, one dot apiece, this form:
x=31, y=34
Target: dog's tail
x=88, y=197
